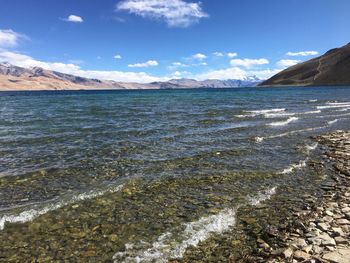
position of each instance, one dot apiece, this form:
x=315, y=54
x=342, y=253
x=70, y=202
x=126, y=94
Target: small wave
x=311, y=147
x=294, y=167
x=278, y=115
x=282, y=123
x=311, y=112
x=334, y=116
x=332, y=122
x=266, y=111
x=29, y=215
x=174, y=245
x=258, y=139
x=262, y=196
x=166, y=246
x=312, y=100
x=343, y=109
x=337, y=103
x=333, y=106
x=255, y=113
x=295, y=132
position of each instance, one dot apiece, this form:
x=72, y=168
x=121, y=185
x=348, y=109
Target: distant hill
x=18, y=78
x=333, y=68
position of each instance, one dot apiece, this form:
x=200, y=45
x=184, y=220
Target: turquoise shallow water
x=60, y=148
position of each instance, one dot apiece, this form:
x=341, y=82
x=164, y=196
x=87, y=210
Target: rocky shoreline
x=320, y=231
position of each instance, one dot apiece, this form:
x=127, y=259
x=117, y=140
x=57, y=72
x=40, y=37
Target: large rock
x=341, y=255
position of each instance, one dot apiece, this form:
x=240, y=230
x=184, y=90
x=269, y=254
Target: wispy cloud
x=149, y=63
x=176, y=13
x=302, y=53
x=248, y=63
x=26, y=61
x=232, y=54
x=74, y=19
x=218, y=54
x=284, y=63
x=199, y=56
x=10, y=38
x=117, y=56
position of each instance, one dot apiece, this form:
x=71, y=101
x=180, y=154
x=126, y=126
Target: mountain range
x=332, y=68
x=36, y=78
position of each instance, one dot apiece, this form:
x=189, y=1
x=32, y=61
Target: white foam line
x=312, y=100
x=332, y=122
x=344, y=109
x=333, y=106
x=255, y=113
x=267, y=111
x=166, y=247
x=31, y=214
x=311, y=147
x=294, y=167
x=278, y=115
x=337, y=103
x=311, y=112
x=262, y=196
x=260, y=139
x=174, y=245
x=283, y=123
x=333, y=116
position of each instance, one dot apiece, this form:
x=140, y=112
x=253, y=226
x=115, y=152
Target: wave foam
x=311, y=112
x=31, y=214
x=311, y=147
x=278, y=115
x=332, y=122
x=255, y=113
x=174, y=245
x=283, y=123
x=294, y=167
x=262, y=196
x=166, y=246
x=333, y=106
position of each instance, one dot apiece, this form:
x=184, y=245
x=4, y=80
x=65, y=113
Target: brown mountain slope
x=333, y=68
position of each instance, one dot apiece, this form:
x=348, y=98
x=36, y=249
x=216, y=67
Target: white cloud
x=302, y=53
x=263, y=74
x=199, y=56
x=176, y=13
x=74, y=19
x=27, y=62
x=248, y=63
x=218, y=54
x=232, y=54
x=285, y=63
x=177, y=64
x=117, y=56
x=149, y=63
x=9, y=38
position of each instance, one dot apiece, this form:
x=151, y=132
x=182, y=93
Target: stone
x=328, y=213
x=307, y=249
x=288, y=253
x=299, y=243
x=337, y=231
x=341, y=255
x=340, y=240
x=346, y=210
x=326, y=240
x=317, y=249
x=343, y=222
x=323, y=226
x=300, y=255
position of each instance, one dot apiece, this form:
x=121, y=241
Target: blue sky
x=148, y=40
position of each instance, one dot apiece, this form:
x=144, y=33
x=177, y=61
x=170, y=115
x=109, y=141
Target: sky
x=158, y=40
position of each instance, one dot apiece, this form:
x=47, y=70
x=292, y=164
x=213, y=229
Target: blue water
x=57, y=145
